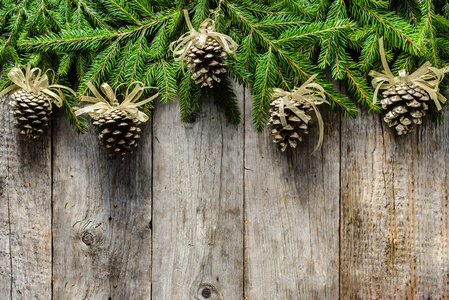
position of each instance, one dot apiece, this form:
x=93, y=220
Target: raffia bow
x=309, y=92
x=206, y=29
x=35, y=83
x=426, y=77
x=106, y=105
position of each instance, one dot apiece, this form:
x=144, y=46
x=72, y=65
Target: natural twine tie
x=35, y=83
x=105, y=106
x=309, y=92
x=426, y=77
x=206, y=29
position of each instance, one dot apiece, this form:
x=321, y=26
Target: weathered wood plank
x=292, y=213
x=394, y=227
x=26, y=199
x=5, y=256
x=198, y=205
x=102, y=217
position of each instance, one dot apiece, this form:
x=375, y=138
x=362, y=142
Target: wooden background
x=210, y=210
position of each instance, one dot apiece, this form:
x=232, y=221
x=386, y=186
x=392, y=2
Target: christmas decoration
x=290, y=114
x=118, y=122
x=203, y=51
x=31, y=99
x=407, y=96
x=281, y=44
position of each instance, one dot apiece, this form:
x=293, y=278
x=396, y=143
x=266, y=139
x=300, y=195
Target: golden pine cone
x=118, y=134
x=31, y=112
x=405, y=105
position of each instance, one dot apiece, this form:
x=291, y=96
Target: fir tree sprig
x=282, y=43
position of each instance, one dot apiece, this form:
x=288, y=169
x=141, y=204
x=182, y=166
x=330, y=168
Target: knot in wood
x=208, y=291
x=87, y=238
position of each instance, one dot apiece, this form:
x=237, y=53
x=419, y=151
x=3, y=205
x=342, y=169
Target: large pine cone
x=206, y=63
x=118, y=134
x=31, y=112
x=405, y=104
x=295, y=129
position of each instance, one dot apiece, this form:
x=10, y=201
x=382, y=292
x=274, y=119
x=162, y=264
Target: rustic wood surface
x=211, y=210
x=26, y=233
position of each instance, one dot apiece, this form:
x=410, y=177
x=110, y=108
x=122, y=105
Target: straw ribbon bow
x=309, y=92
x=106, y=105
x=426, y=77
x=206, y=29
x=35, y=83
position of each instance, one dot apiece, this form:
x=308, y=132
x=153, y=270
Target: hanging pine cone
x=405, y=104
x=203, y=51
x=290, y=114
x=118, y=122
x=31, y=100
x=118, y=134
x=31, y=112
x=206, y=61
x=406, y=97
x=296, y=128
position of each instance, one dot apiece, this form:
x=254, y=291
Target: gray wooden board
x=229, y=212
x=394, y=226
x=102, y=217
x=26, y=185
x=198, y=205
x=5, y=257
x=292, y=213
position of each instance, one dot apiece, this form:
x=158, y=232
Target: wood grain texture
x=5, y=255
x=198, y=205
x=102, y=218
x=292, y=213
x=394, y=226
x=26, y=190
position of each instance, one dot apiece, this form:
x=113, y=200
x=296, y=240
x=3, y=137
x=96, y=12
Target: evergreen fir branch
x=73, y=40
x=119, y=72
x=358, y=87
x=94, y=14
x=144, y=9
x=370, y=52
x=302, y=8
x=404, y=61
x=386, y=24
x=190, y=97
x=246, y=52
x=77, y=122
x=149, y=78
x=166, y=81
x=83, y=61
x=135, y=65
x=122, y=11
x=262, y=91
x=201, y=12
x=101, y=67
x=65, y=64
x=338, y=10
x=12, y=27
x=227, y=99
x=312, y=32
x=426, y=31
x=322, y=10
x=408, y=9
x=239, y=73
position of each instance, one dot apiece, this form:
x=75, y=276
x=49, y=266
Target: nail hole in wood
x=206, y=293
